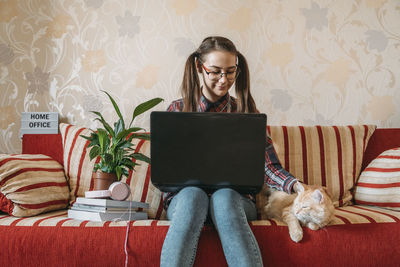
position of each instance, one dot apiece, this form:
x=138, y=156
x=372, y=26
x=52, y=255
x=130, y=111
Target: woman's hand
x=298, y=187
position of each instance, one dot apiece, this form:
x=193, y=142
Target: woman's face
x=215, y=63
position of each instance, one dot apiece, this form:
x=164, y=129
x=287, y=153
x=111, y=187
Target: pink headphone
x=116, y=191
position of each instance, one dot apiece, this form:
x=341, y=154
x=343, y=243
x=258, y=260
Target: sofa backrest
x=337, y=164
x=51, y=144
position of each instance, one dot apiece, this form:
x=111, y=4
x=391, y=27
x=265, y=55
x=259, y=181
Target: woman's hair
x=190, y=88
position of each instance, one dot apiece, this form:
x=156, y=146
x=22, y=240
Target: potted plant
x=113, y=147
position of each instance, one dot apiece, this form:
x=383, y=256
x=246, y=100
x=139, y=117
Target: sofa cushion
x=78, y=169
x=379, y=183
x=31, y=184
x=330, y=156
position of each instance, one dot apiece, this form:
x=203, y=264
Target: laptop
x=208, y=150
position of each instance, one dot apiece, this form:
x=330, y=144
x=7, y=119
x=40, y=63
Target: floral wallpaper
x=311, y=61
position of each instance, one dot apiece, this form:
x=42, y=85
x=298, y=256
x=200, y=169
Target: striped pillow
x=330, y=156
x=78, y=169
x=379, y=183
x=31, y=184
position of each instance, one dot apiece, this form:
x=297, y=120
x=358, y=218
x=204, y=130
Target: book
x=106, y=216
x=93, y=208
x=108, y=203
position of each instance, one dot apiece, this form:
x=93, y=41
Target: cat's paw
x=296, y=235
x=313, y=226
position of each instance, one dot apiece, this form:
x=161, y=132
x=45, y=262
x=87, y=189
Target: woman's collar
x=206, y=105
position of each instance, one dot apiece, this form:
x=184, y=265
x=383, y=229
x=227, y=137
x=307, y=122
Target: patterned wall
x=311, y=61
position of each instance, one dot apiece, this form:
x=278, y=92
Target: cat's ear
x=318, y=196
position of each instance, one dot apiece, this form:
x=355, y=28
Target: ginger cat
x=311, y=207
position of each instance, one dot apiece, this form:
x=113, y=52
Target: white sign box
x=39, y=123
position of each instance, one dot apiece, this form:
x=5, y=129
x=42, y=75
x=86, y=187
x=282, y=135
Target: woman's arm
x=275, y=175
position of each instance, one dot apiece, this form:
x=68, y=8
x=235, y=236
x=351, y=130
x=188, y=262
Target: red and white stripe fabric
x=77, y=165
x=355, y=214
x=330, y=156
x=78, y=169
x=31, y=184
x=379, y=183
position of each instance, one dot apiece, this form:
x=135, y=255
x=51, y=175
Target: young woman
x=218, y=65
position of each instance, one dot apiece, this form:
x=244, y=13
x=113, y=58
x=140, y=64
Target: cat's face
x=313, y=205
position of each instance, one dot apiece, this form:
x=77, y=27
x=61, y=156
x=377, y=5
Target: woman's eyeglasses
x=216, y=75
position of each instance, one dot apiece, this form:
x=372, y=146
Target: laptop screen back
x=208, y=150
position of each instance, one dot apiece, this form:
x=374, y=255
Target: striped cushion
x=31, y=184
x=330, y=156
x=379, y=183
x=78, y=169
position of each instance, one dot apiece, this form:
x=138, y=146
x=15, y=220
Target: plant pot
x=103, y=180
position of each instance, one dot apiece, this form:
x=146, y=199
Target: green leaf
x=141, y=157
x=141, y=108
x=94, y=139
x=107, y=169
x=145, y=136
x=124, y=144
x=103, y=121
x=87, y=137
x=118, y=127
x=118, y=171
x=108, y=158
x=94, y=152
x=96, y=167
x=125, y=133
x=102, y=139
x=125, y=172
x=93, y=143
x=128, y=163
x=116, y=108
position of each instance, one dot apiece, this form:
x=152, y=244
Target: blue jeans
x=229, y=212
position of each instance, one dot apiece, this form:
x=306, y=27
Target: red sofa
x=369, y=236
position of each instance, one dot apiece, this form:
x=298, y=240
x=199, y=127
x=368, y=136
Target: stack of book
x=93, y=209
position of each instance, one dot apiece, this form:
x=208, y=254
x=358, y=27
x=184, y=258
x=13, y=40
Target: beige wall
x=311, y=61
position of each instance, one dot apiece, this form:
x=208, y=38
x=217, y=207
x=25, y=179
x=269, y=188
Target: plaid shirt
x=275, y=175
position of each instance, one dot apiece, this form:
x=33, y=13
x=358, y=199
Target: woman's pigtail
x=190, y=87
x=245, y=100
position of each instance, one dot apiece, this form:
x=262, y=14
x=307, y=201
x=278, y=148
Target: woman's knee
x=225, y=197
x=193, y=195
x=227, y=203
x=189, y=202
